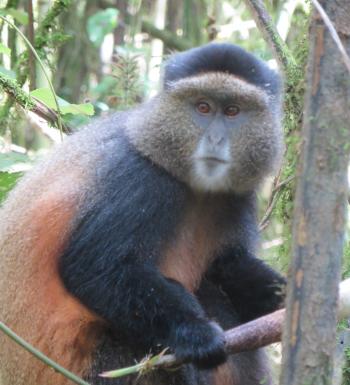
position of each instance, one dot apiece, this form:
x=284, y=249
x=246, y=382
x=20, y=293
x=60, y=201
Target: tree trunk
x=78, y=59
x=320, y=206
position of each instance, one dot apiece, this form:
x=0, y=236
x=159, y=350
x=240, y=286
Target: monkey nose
x=216, y=139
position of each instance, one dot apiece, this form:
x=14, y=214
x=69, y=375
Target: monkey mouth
x=213, y=166
x=213, y=160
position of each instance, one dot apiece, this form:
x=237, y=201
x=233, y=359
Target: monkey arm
x=145, y=308
x=111, y=260
x=253, y=287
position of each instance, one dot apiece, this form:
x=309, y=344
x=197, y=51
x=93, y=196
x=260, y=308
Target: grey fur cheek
x=256, y=153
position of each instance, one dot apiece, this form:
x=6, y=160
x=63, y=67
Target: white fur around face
x=210, y=177
x=211, y=172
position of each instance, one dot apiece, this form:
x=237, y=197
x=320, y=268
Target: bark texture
x=319, y=215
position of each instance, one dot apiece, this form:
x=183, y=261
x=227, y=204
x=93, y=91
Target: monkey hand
x=200, y=342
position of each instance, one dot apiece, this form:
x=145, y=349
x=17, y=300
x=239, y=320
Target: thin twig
x=333, y=33
x=31, y=59
x=283, y=183
x=36, y=353
x=270, y=206
x=276, y=187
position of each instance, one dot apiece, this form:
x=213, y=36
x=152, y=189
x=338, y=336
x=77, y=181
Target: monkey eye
x=203, y=107
x=231, y=111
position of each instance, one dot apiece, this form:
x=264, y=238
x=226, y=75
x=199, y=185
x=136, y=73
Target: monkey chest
x=188, y=255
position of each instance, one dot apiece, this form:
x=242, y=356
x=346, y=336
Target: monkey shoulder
x=132, y=204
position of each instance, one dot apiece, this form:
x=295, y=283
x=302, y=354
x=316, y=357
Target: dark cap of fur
x=222, y=57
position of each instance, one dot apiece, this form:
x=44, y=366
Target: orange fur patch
x=188, y=256
x=45, y=314
x=69, y=324
x=225, y=375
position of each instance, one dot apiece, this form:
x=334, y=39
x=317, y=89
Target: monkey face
x=215, y=132
x=234, y=137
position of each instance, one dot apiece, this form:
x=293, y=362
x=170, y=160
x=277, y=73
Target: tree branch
x=277, y=185
x=26, y=101
x=263, y=20
x=42, y=357
x=31, y=58
x=168, y=38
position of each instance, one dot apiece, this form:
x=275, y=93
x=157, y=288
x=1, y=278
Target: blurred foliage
x=7, y=182
x=346, y=256
x=346, y=368
x=45, y=96
x=12, y=167
x=100, y=24
x=127, y=87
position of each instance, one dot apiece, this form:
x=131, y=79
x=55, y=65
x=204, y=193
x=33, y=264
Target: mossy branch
x=12, y=88
x=49, y=23
x=267, y=28
x=167, y=37
x=25, y=100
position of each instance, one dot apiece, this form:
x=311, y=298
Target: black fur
x=261, y=289
x=249, y=367
x=110, y=264
x=131, y=213
x=227, y=58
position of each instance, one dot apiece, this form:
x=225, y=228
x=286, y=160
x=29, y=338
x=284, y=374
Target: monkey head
x=216, y=128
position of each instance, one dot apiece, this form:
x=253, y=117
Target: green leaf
x=100, y=24
x=7, y=182
x=5, y=50
x=18, y=15
x=14, y=162
x=45, y=96
x=75, y=109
